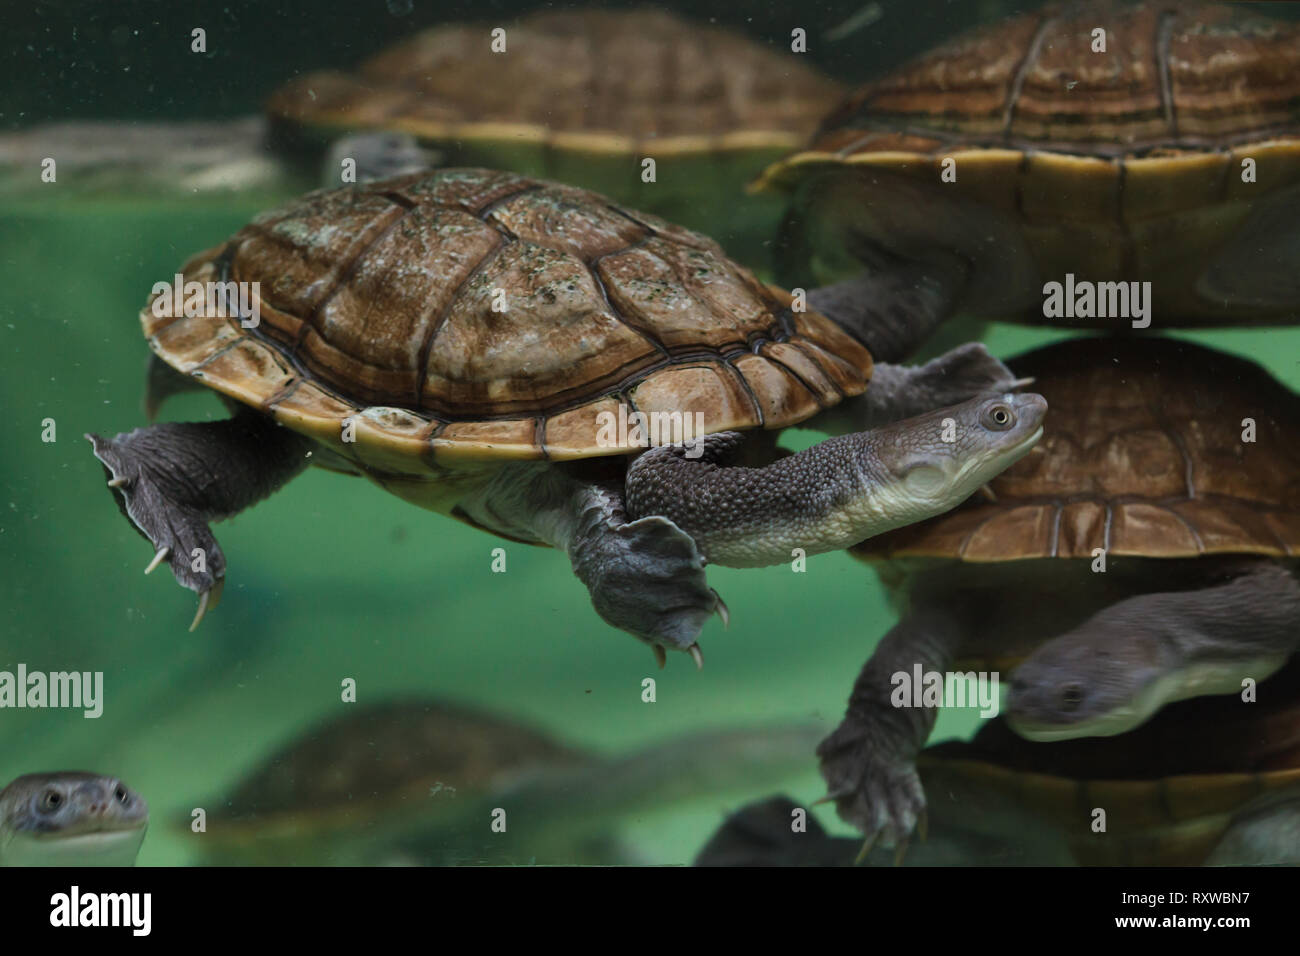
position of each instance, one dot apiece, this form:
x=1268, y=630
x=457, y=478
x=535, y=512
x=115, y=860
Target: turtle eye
x=998, y=417
x=122, y=796
x=51, y=800
x=1071, y=697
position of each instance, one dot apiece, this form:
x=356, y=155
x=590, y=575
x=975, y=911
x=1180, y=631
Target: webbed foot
x=647, y=577
x=873, y=781
x=154, y=499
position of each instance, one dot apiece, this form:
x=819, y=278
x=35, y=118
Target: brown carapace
x=601, y=82
x=1155, y=142
x=466, y=317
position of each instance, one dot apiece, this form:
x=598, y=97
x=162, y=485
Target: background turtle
x=1214, y=780
x=416, y=781
x=1127, y=165
x=1147, y=458
x=70, y=818
x=1210, y=776
x=582, y=96
x=471, y=342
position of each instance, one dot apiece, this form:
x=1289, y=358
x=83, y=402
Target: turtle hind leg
x=172, y=479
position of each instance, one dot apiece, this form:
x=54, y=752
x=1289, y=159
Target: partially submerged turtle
x=1016, y=155
x=1155, y=529
x=477, y=343
x=70, y=818
x=418, y=781
x=582, y=96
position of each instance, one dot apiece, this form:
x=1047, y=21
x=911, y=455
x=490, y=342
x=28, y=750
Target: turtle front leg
x=869, y=761
x=172, y=479
x=645, y=577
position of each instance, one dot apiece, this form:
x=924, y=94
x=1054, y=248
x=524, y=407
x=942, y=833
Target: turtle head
x=71, y=818
x=1118, y=668
x=1087, y=684
x=935, y=461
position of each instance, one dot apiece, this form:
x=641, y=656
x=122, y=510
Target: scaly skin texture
x=1128, y=660
x=173, y=479
x=869, y=761
x=1233, y=618
x=70, y=818
x=645, y=577
x=837, y=493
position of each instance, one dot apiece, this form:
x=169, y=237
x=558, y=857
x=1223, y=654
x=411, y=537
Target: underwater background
x=332, y=578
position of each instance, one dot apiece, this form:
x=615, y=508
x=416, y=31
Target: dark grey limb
x=869, y=761
x=645, y=576
x=895, y=308
x=173, y=479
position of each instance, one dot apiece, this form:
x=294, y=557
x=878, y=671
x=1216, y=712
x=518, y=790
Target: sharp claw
x=660, y=655
x=1021, y=383
x=900, y=852
x=986, y=492
x=722, y=609
x=829, y=797
x=203, y=609
x=867, y=844
x=698, y=656
x=207, y=599
x=923, y=825
x=158, y=559
x=117, y=483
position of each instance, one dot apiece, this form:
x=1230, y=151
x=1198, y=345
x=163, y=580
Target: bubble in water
x=400, y=8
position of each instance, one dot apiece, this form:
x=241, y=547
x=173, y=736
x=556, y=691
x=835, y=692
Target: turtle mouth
x=105, y=846
x=87, y=835
x=1118, y=721
x=1003, y=457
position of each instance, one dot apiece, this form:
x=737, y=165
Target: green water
x=332, y=579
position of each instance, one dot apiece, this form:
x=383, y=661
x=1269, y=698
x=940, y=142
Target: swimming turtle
x=1214, y=781
x=584, y=97
x=501, y=349
x=70, y=818
x=417, y=781
x=1155, y=529
x=1020, y=155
